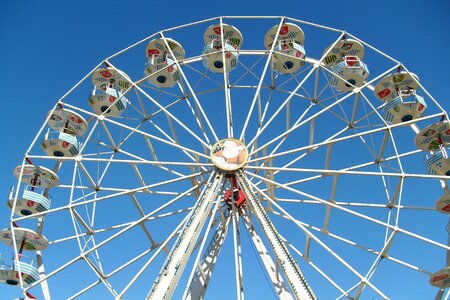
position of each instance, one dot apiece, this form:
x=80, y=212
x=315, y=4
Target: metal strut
x=167, y=279
x=295, y=278
x=198, y=285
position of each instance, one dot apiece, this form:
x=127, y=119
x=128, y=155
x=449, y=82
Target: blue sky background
x=47, y=46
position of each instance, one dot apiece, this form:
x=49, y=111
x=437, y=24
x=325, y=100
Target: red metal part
x=30, y=296
x=238, y=195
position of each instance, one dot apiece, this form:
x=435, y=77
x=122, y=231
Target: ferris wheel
x=236, y=157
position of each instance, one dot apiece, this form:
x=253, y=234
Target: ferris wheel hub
x=229, y=155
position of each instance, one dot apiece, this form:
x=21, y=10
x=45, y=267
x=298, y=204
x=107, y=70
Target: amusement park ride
x=319, y=163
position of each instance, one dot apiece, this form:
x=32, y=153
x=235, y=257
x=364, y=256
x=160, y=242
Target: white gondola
x=398, y=110
x=31, y=202
x=68, y=121
x=37, y=176
x=289, y=51
x=110, y=77
x=110, y=101
x=438, y=164
x=441, y=279
x=23, y=237
x=345, y=60
x=60, y=144
x=213, y=58
x=398, y=84
x=9, y=273
x=161, y=67
x=433, y=136
x=443, y=204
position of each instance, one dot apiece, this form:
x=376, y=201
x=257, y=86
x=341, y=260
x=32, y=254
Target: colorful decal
x=351, y=60
x=421, y=107
x=446, y=208
x=347, y=46
x=331, y=58
x=284, y=30
x=439, y=277
x=397, y=78
x=217, y=30
x=235, y=41
x=384, y=93
x=153, y=52
x=429, y=132
x=433, y=145
x=105, y=73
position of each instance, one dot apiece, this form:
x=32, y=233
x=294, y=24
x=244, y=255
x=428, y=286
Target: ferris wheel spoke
x=167, y=142
x=110, y=238
x=138, y=162
x=297, y=94
x=288, y=99
x=158, y=248
x=144, y=134
x=203, y=76
x=94, y=231
x=352, y=243
x=186, y=81
x=377, y=261
x=169, y=114
x=338, y=115
x=310, y=262
x=318, y=241
x=280, y=108
x=280, y=143
x=248, y=70
x=350, y=212
x=329, y=141
x=192, y=156
x=101, y=277
x=337, y=102
x=294, y=77
x=127, y=192
x=143, y=225
x=258, y=89
x=262, y=113
x=307, y=120
x=226, y=84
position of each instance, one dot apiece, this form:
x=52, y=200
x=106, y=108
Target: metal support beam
x=167, y=279
x=270, y=267
x=295, y=278
x=197, y=287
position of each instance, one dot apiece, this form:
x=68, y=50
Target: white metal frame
x=192, y=188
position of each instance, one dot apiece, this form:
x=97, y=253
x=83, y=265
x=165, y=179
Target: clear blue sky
x=47, y=46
